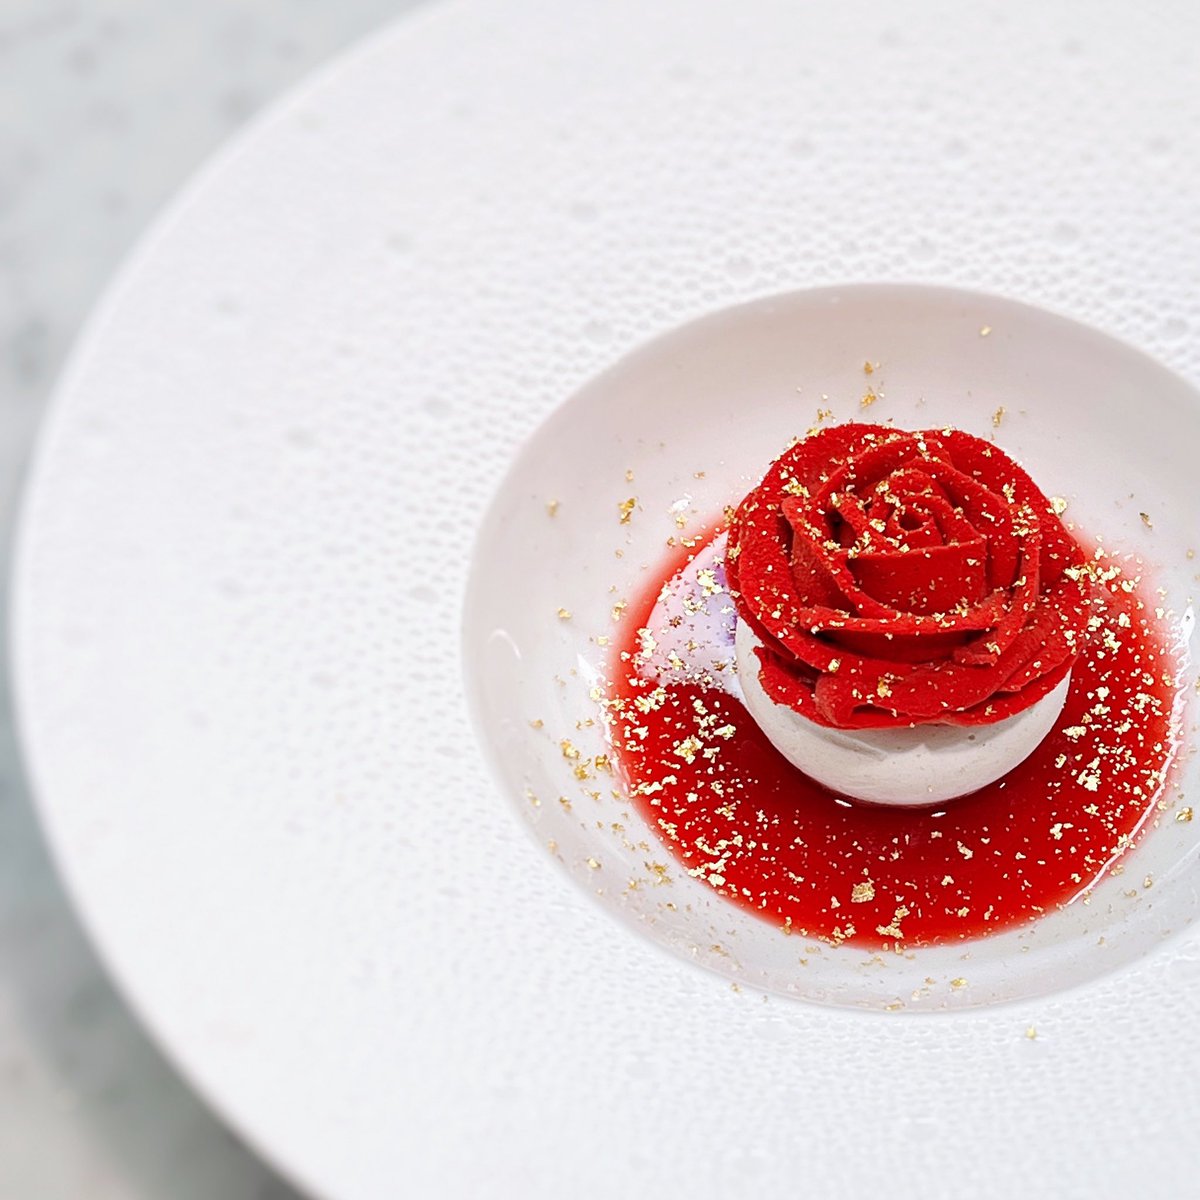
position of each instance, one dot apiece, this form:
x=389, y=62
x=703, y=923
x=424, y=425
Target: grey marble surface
x=106, y=107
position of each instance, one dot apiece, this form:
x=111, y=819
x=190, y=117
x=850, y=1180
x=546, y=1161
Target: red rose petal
x=936, y=579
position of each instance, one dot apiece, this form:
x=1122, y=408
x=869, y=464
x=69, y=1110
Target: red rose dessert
x=895, y=579
x=898, y=587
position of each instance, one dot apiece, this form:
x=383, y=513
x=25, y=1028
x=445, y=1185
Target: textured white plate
x=237, y=589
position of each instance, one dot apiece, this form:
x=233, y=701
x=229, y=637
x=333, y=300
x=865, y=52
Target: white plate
x=248, y=529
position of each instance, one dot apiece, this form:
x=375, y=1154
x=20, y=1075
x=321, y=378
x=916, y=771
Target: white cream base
x=913, y=767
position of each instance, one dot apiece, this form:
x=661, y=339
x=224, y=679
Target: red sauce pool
x=765, y=836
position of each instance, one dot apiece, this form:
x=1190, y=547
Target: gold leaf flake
x=659, y=872
x=893, y=930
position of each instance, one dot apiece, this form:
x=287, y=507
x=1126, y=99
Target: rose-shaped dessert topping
x=901, y=578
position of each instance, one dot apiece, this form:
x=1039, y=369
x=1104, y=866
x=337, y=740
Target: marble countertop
x=106, y=107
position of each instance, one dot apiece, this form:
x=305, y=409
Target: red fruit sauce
x=765, y=836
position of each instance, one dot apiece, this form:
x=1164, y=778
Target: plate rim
x=205, y=173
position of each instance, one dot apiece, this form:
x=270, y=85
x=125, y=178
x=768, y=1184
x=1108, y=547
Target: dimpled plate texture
x=237, y=613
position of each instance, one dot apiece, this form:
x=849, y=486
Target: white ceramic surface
x=237, y=622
